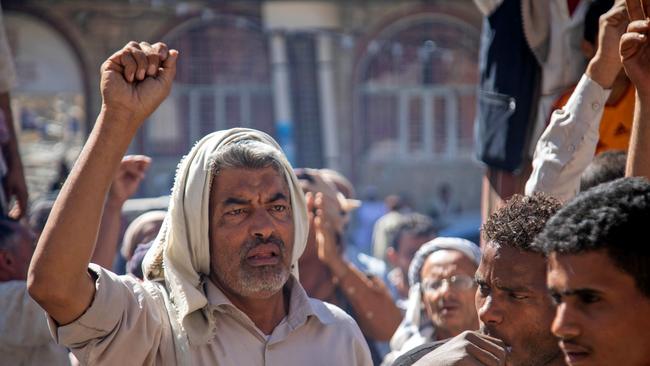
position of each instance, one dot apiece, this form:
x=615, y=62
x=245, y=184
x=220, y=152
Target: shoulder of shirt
x=330, y=314
x=138, y=287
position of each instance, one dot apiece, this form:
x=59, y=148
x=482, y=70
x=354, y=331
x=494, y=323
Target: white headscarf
x=180, y=255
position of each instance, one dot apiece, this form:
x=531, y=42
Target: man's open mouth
x=263, y=255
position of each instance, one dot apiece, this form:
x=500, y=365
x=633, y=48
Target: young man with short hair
x=599, y=274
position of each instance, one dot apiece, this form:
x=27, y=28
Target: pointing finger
x=634, y=9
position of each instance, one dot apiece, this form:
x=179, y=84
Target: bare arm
x=378, y=316
x=635, y=54
x=125, y=183
x=638, y=164
x=134, y=82
x=14, y=182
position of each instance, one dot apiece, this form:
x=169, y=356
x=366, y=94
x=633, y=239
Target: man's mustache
x=258, y=240
x=488, y=332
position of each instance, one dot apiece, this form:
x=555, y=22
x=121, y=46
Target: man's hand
x=137, y=78
x=127, y=179
x=328, y=248
x=467, y=349
x=634, y=48
x=606, y=64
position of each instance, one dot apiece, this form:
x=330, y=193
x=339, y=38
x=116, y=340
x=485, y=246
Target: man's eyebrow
x=278, y=197
x=520, y=288
x=234, y=201
x=576, y=292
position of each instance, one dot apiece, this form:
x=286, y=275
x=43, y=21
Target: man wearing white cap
x=221, y=278
x=441, y=296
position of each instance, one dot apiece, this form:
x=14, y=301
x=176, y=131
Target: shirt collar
x=301, y=306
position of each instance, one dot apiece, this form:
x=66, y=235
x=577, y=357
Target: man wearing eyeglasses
x=448, y=291
x=441, y=296
x=513, y=306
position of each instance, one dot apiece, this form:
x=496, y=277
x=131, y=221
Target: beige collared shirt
x=126, y=325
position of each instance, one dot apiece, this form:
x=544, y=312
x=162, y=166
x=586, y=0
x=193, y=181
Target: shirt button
x=595, y=106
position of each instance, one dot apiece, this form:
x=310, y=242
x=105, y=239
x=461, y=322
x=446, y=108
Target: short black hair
x=518, y=222
x=610, y=217
x=606, y=167
x=414, y=223
x=595, y=10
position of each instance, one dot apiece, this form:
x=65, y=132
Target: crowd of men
x=251, y=263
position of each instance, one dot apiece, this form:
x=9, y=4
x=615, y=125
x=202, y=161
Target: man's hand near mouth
x=467, y=349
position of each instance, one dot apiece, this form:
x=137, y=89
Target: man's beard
x=529, y=352
x=257, y=282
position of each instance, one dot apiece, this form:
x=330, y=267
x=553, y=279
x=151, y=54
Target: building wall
x=97, y=29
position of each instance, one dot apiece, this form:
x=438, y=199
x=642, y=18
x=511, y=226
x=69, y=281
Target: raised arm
x=635, y=55
x=568, y=144
x=134, y=81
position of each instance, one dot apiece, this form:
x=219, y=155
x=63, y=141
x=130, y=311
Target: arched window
x=416, y=89
x=222, y=81
x=49, y=100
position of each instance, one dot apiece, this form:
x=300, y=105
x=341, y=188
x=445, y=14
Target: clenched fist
x=137, y=78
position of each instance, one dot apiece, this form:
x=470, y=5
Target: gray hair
x=247, y=154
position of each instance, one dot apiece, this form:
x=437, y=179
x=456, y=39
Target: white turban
x=180, y=255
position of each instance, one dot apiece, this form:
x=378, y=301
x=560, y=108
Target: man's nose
x=261, y=224
x=447, y=290
x=565, y=324
x=490, y=312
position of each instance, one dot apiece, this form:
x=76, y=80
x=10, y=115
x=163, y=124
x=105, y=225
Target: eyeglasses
x=457, y=282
